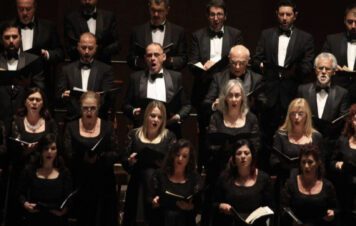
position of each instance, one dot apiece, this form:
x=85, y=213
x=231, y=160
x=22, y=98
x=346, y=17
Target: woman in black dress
x=309, y=196
x=44, y=185
x=242, y=187
x=146, y=149
x=31, y=123
x=91, y=146
x=175, y=189
x=296, y=131
x=343, y=167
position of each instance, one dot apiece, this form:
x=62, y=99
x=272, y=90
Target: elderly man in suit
x=159, y=30
x=327, y=100
x=29, y=67
x=157, y=83
x=343, y=47
x=284, y=55
x=85, y=74
x=101, y=23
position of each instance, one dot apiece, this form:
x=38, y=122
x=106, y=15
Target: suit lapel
x=343, y=50
x=313, y=103
x=99, y=25
x=290, y=48
x=77, y=76
x=226, y=43
x=143, y=86
x=22, y=61
x=93, y=77
x=148, y=34
x=169, y=85
x=205, y=47
x=36, y=32
x=274, y=45
x=329, y=105
x=167, y=35
x=83, y=23
x=3, y=62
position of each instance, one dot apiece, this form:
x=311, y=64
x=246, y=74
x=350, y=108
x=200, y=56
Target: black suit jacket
x=100, y=79
x=220, y=79
x=12, y=97
x=137, y=92
x=106, y=33
x=298, y=63
x=200, y=49
x=337, y=45
x=337, y=103
x=45, y=36
x=141, y=36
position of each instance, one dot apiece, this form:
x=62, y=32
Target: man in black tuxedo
x=327, y=100
x=158, y=30
x=160, y=84
x=39, y=37
x=30, y=73
x=343, y=47
x=210, y=45
x=284, y=56
x=99, y=22
x=239, y=57
x=83, y=75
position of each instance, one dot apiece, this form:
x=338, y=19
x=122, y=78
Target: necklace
x=34, y=127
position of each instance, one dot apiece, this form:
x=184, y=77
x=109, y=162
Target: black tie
x=12, y=55
x=318, y=88
x=157, y=75
x=285, y=32
x=85, y=65
x=29, y=25
x=159, y=27
x=92, y=15
x=213, y=34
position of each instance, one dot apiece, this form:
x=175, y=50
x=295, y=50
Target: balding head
x=87, y=47
x=239, y=57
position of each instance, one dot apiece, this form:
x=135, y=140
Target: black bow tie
x=92, y=15
x=318, y=88
x=155, y=27
x=351, y=37
x=85, y=65
x=285, y=32
x=157, y=75
x=24, y=26
x=212, y=34
x=12, y=55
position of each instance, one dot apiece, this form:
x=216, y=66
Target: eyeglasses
x=324, y=68
x=32, y=99
x=350, y=22
x=219, y=15
x=89, y=108
x=299, y=113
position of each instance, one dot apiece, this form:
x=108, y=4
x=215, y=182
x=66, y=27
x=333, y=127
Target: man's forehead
x=154, y=49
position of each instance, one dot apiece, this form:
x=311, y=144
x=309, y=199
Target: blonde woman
x=152, y=138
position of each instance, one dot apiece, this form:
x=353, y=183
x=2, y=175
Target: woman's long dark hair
x=168, y=164
x=44, y=112
x=232, y=172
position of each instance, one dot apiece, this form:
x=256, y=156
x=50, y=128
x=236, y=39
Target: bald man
x=85, y=74
x=239, y=57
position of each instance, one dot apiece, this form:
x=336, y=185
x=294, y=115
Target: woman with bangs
x=297, y=130
x=146, y=149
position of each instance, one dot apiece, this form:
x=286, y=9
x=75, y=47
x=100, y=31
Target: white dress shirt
x=27, y=38
x=158, y=35
x=156, y=89
x=216, y=47
x=351, y=55
x=283, y=42
x=321, y=98
x=85, y=78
